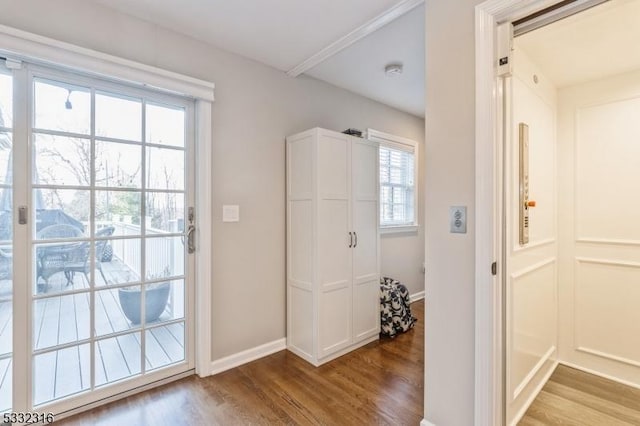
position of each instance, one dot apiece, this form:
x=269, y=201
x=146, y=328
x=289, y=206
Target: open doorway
x=571, y=245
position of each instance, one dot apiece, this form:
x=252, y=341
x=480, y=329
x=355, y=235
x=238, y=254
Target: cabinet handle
x=356, y=244
x=350, y=240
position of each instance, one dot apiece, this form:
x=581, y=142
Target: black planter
x=156, y=298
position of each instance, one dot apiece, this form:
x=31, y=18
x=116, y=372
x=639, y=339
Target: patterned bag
x=395, y=311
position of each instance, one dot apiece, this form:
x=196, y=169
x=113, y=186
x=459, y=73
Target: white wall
x=255, y=108
x=450, y=180
x=599, y=154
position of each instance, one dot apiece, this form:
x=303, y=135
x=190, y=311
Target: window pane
x=62, y=107
x=121, y=259
x=164, y=345
x=118, y=165
x=117, y=358
x=62, y=161
x=59, y=320
x=165, y=168
x=165, y=211
x=165, y=125
x=6, y=167
x=6, y=101
x=118, y=117
x=396, y=187
x=120, y=209
x=66, y=209
x=61, y=373
x=164, y=256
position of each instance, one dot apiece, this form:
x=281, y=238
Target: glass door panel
x=6, y=242
x=109, y=196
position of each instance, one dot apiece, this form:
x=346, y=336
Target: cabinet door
x=334, y=253
x=366, y=286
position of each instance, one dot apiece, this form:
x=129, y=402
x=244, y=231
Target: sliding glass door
x=107, y=182
x=6, y=240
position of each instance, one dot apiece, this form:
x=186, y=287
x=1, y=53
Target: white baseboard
x=603, y=375
x=425, y=422
x=235, y=360
x=416, y=296
x=534, y=394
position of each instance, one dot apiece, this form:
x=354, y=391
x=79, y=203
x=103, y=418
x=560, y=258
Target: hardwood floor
x=572, y=397
x=381, y=383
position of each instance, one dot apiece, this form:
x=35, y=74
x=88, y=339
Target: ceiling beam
x=362, y=31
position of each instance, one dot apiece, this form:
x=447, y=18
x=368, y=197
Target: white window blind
x=397, y=185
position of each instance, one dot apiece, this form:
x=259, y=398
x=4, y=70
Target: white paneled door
x=96, y=192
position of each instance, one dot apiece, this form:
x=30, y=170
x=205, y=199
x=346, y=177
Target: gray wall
x=450, y=180
x=255, y=108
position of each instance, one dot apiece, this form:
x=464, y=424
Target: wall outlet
x=458, y=219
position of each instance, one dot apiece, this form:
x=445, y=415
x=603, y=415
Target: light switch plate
x=231, y=213
x=458, y=219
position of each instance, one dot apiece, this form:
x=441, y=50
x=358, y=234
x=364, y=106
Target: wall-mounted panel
x=607, y=170
x=607, y=309
x=532, y=313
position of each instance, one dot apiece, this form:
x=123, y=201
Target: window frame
x=399, y=143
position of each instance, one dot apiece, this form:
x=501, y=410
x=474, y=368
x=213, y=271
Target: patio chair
x=51, y=259
x=79, y=260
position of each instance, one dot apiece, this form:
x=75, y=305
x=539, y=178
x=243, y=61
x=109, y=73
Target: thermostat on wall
x=231, y=213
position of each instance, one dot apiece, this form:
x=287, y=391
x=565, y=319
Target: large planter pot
x=156, y=297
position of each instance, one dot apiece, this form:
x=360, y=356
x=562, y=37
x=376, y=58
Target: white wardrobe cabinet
x=333, y=244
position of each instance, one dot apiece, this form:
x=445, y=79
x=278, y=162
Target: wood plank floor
x=381, y=383
x=572, y=397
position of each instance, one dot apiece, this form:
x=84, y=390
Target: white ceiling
x=284, y=33
x=597, y=43
x=360, y=67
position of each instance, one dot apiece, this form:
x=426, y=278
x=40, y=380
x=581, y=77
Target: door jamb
x=489, y=345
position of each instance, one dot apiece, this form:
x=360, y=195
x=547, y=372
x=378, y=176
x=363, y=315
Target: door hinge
x=494, y=268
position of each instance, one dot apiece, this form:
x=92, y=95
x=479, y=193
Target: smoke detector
x=393, y=70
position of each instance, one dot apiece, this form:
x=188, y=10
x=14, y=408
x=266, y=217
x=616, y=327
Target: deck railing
x=164, y=255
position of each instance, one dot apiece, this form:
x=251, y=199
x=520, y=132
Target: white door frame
x=489, y=366
x=37, y=49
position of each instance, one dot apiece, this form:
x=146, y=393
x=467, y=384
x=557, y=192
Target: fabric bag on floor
x=395, y=309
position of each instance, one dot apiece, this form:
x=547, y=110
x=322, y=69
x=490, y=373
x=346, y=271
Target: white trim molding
x=46, y=51
x=204, y=237
x=425, y=422
x=362, y=31
x=489, y=348
x=244, y=357
x=416, y=296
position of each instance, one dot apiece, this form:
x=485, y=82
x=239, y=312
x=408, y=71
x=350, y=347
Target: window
x=398, y=181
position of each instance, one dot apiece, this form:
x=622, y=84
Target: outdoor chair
x=80, y=261
x=69, y=257
x=52, y=258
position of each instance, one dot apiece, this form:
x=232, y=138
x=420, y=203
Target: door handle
x=191, y=239
x=356, y=244
x=350, y=240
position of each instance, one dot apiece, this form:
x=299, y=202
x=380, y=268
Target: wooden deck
x=64, y=319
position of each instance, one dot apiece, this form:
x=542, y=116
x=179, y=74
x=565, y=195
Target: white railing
x=164, y=255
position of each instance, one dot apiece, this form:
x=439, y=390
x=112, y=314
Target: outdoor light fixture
x=68, y=104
